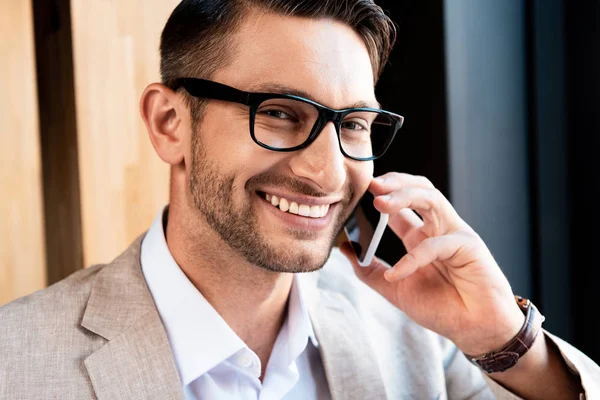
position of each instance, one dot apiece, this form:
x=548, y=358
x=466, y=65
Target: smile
x=292, y=207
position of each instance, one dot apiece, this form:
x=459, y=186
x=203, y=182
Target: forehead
x=324, y=58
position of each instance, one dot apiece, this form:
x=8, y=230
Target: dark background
x=501, y=100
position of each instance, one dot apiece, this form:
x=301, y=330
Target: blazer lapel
x=350, y=366
x=137, y=361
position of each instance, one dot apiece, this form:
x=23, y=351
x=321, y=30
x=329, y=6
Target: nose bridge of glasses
x=332, y=115
x=328, y=115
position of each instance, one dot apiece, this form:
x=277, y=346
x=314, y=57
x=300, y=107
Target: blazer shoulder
x=42, y=340
x=69, y=293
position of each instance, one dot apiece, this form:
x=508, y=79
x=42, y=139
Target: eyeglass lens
x=287, y=123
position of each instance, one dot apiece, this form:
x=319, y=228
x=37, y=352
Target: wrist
x=535, y=358
x=544, y=365
x=493, y=335
x=510, y=353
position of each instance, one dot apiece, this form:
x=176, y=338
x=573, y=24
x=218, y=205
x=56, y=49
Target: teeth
x=316, y=211
x=304, y=210
x=284, y=205
x=299, y=209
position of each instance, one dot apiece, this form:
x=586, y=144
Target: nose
x=322, y=162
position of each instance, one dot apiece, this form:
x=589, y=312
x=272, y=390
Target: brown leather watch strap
x=506, y=357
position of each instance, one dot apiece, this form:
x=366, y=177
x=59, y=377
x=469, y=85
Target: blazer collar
x=137, y=361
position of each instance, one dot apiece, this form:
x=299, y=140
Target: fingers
x=439, y=248
x=405, y=221
x=394, y=180
x=437, y=212
x=402, y=196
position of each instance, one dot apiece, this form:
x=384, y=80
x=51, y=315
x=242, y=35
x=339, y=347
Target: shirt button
x=245, y=360
x=256, y=370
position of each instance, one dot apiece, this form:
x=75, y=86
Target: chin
x=296, y=257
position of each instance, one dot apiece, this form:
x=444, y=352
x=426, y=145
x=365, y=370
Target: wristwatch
x=507, y=356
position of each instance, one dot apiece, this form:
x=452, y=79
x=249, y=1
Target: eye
x=279, y=114
x=355, y=125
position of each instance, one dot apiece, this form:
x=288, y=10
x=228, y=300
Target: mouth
x=314, y=211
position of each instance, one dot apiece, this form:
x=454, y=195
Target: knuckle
x=405, y=191
x=403, y=194
x=424, y=181
x=439, y=196
x=431, y=242
x=431, y=198
x=468, y=235
x=391, y=176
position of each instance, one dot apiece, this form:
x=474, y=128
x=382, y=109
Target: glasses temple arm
x=212, y=90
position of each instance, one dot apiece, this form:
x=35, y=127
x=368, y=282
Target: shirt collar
x=298, y=317
x=199, y=337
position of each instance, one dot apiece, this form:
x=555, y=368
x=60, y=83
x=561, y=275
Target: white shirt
x=213, y=362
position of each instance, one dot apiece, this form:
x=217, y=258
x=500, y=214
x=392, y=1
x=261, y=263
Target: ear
x=162, y=111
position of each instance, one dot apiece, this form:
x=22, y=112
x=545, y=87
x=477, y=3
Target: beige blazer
x=98, y=335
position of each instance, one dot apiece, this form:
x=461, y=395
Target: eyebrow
x=284, y=89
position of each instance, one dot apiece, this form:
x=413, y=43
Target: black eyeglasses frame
x=207, y=89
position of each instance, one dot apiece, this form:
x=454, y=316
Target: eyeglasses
x=284, y=122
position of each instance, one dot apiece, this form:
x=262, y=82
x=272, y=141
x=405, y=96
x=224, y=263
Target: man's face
x=231, y=177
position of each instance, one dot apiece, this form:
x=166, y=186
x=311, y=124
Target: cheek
x=227, y=146
x=361, y=174
x=233, y=143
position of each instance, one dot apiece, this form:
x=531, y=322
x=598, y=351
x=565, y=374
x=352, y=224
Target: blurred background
x=502, y=106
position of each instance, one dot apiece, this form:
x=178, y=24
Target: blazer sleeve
x=460, y=372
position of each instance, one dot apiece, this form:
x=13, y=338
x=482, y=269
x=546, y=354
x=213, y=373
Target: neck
x=252, y=300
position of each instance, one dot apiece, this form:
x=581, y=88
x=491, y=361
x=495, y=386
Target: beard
x=213, y=194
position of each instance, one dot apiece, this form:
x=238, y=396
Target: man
x=226, y=295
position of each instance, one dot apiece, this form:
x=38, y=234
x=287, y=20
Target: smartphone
x=361, y=234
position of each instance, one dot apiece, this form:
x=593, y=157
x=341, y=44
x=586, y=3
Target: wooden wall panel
x=22, y=252
x=58, y=135
x=123, y=183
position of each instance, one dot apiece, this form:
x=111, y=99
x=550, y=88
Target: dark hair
x=197, y=32
x=196, y=37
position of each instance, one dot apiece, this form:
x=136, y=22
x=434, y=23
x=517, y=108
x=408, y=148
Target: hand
x=448, y=281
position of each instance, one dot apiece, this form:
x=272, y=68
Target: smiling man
x=268, y=118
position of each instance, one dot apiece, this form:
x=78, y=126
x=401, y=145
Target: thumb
x=372, y=275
